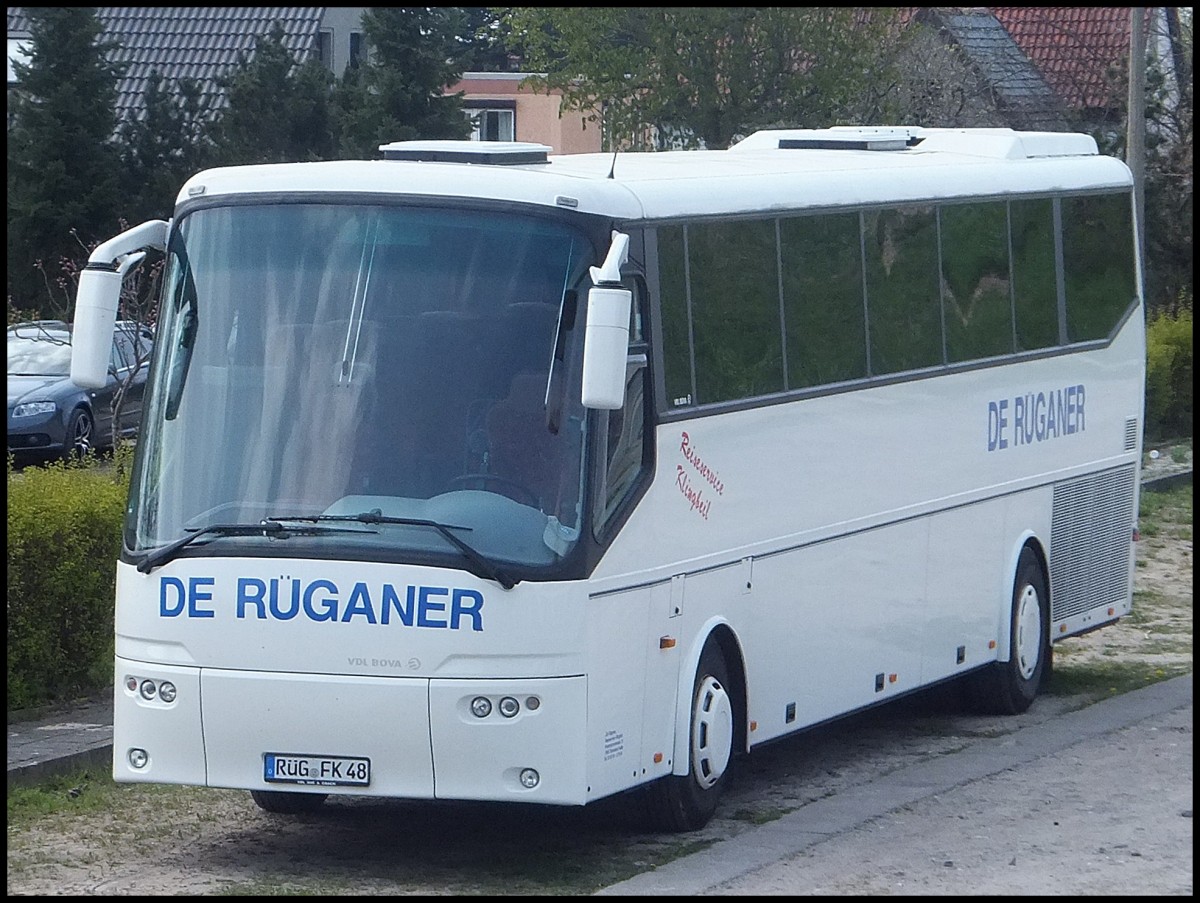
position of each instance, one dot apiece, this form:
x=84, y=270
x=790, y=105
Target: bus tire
x=686, y=802
x=1009, y=688
x=281, y=802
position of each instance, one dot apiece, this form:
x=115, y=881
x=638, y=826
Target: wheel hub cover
x=712, y=733
x=1029, y=632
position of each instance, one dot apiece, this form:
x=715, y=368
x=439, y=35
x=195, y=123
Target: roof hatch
x=492, y=152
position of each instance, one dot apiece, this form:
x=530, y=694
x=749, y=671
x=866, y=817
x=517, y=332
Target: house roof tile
x=1081, y=50
x=199, y=42
x=1017, y=84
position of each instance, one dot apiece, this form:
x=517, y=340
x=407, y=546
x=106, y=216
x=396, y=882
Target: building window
x=325, y=48
x=358, y=49
x=492, y=125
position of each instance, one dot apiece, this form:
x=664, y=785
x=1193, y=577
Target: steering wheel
x=528, y=496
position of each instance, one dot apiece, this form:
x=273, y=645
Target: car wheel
x=78, y=441
x=687, y=802
x=283, y=803
x=1009, y=688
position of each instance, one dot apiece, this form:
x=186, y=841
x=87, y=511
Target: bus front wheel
x=687, y=802
x=1009, y=688
x=283, y=803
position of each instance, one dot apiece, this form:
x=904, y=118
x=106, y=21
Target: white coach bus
x=479, y=473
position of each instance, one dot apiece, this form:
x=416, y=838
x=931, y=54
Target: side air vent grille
x=1090, y=532
x=1131, y=434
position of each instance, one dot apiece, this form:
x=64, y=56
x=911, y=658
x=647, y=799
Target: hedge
x=1169, y=366
x=64, y=538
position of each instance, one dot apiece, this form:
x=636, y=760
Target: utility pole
x=1135, y=142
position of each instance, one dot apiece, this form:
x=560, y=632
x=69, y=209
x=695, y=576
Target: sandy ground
x=992, y=837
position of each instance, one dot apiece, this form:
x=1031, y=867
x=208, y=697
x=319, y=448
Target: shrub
x=64, y=537
x=1169, y=374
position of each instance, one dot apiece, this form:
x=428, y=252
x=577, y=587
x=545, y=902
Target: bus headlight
x=509, y=707
x=481, y=707
x=166, y=691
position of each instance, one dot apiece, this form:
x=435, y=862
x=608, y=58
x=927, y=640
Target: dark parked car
x=51, y=417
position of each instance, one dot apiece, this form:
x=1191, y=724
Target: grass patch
x=1173, y=505
x=87, y=790
x=1109, y=678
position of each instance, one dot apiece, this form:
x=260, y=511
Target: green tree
x=63, y=190
x=1170, y=168
x=658, y=76
x=398, y=94
x=482, y=41
x=279, y=110
x=163, y=148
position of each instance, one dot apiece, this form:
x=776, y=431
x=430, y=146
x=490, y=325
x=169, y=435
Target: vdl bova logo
x=285, y=598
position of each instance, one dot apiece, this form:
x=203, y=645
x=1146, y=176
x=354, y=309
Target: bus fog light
x=139, y=757
x=533, y=703
x=509, y=707
x=481, y=707
x=166, y=691
x=148, y=689
x=529, y=778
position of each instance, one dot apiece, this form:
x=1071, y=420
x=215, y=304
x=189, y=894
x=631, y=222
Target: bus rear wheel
x=1009, y=688
x=687, y=802
x=282, y=803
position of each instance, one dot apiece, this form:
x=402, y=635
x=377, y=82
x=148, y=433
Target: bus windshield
x=322, y=362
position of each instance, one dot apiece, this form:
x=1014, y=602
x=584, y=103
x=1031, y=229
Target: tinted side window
x=823, y=299
x=975, y=286
x=1098, y=266
x=1035, y=291
x=903, y=305
x=734, y=279
x=672, y=279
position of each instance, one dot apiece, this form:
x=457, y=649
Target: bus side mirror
x=99, y=295
x=606, y=347
x=92, y=333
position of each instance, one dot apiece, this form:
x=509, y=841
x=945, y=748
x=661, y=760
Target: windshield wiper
x=376, y=516
x=163, y=554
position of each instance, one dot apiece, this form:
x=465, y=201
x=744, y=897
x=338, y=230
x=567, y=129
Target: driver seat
x=520, y=447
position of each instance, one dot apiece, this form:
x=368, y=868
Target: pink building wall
x=537, y=117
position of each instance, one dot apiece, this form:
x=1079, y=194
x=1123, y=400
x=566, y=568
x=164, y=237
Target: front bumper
x=420, y=734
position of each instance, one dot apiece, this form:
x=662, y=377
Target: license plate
x=324, y=771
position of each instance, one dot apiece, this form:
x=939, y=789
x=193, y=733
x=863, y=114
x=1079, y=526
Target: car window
x=124, y=354
x=117, y=360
